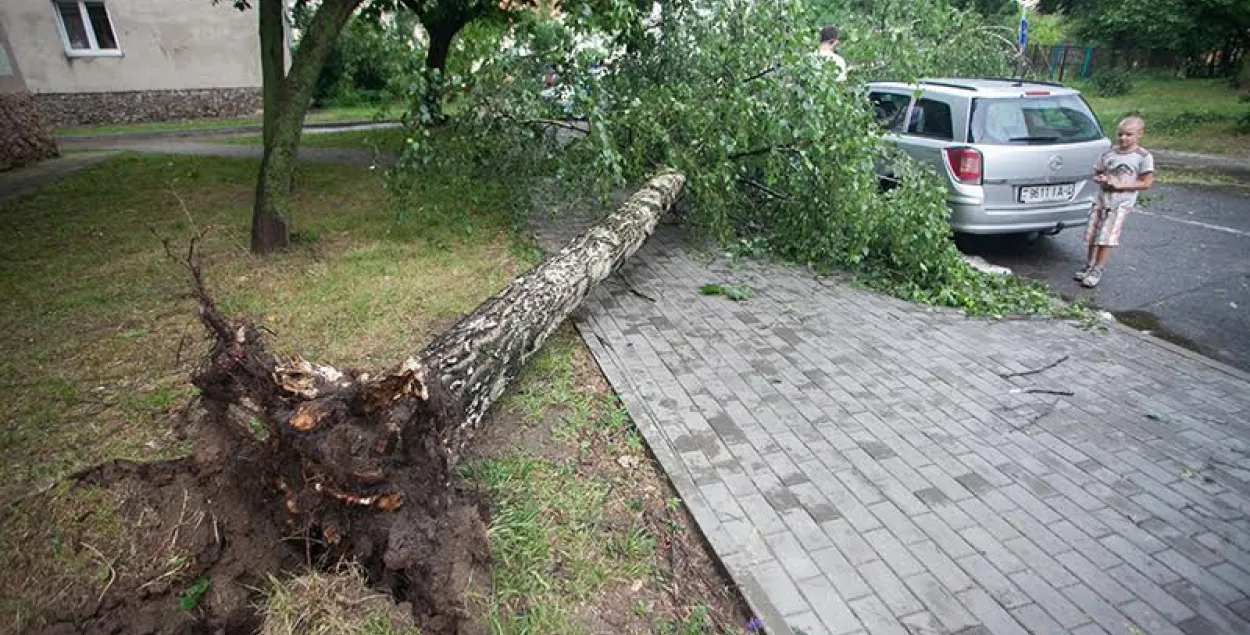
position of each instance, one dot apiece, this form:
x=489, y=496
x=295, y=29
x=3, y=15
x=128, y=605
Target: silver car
x=1018, y=156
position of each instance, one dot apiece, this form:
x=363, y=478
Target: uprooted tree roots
x=347, y=464
x=352, y=465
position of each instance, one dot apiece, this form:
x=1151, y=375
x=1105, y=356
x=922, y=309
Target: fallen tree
x=361, y=465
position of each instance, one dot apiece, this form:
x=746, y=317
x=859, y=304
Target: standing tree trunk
x=442, y=34
x=283, y=126
x=441, y=37
x=363, y=464
x=442, y=20
x=272, y=61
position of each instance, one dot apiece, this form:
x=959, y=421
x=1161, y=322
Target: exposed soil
x=191, y=521
x=271, y=486
x=215, y=516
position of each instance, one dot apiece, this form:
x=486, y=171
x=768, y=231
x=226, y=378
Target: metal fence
x=1074, y=61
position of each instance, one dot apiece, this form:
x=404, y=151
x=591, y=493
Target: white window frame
x=95, y=50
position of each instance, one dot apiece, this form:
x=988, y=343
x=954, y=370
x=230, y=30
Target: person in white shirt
x=827, y=50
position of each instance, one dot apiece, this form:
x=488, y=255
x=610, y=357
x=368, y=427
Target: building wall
x=180, y=59
x=165, y=45
x=66, y=110
x=24, y=134
x=10, y=73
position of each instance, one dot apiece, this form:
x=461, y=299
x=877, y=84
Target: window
x=890, y=108
x=931, y=119
x=86, y=28
x=1032, y=120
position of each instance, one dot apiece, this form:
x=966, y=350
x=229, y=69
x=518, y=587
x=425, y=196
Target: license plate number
x=1047, y=193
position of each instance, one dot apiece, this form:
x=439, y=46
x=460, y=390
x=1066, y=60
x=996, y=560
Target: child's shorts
x=1105, y=224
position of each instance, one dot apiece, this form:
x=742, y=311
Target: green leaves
x=190, y=598
x=737, y=293
x=779, y=156
x=1113, y=83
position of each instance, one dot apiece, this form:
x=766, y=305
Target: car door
x=930, y=129
x=891, y=108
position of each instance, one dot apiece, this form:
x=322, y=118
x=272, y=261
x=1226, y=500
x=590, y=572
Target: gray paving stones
x=861, y=466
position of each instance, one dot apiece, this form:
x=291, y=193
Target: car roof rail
x=1021, y=80
x=929, y=82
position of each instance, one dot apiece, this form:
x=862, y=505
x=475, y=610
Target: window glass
x=75, y=31
x=931, y=119
x=1026, y=120
x=889, y=108
x=101, y=26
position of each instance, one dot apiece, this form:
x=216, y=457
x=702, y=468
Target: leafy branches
x=783, y=157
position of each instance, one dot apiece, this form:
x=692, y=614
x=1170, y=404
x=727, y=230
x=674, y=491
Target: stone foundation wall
x=89, y=109
x=24, y=134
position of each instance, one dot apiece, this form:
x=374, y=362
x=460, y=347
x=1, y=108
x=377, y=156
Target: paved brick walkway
x=864, y=465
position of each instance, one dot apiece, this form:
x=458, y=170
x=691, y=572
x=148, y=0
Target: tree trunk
x=363, y=464
x=477, y=357
x=441, y=36
x=273, y=186
x=272, y=61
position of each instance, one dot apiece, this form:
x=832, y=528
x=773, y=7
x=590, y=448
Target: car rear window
x=1032, y=120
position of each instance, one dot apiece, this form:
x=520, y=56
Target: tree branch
x=1036, y=370
x=549, y=122
x=765, y=150
x=764, y=188
x=760, y=74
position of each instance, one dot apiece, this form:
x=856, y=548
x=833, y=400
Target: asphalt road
x=1182, y=271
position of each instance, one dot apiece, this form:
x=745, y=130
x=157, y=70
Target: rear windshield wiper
x=1034, y=139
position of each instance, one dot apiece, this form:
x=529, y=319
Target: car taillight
x=965, y=164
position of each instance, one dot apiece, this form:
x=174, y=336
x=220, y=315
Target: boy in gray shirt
x=1122, y=172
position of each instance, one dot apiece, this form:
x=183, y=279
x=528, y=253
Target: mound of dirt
x=193, y=521
x=211, y=529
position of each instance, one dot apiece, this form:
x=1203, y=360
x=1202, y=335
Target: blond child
x=1121, y=172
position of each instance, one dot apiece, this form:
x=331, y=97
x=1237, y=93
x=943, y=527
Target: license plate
x=1047, y=193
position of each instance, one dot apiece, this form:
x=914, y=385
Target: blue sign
x=1024, y=32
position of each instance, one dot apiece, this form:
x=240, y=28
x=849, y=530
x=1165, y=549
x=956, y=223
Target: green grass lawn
x=1177, y=176
x=325, y=115
x=100, y=340
x=101, y=337
x=584, y=529
x=1199, y=115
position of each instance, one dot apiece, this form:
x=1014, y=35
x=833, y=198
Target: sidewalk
x=193, y=132
x=865, y=465
x=1230, y=165
x=345, y=156
x=90, y=152
x=15, y=183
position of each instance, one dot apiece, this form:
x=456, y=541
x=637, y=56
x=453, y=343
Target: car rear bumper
x=975, y=218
